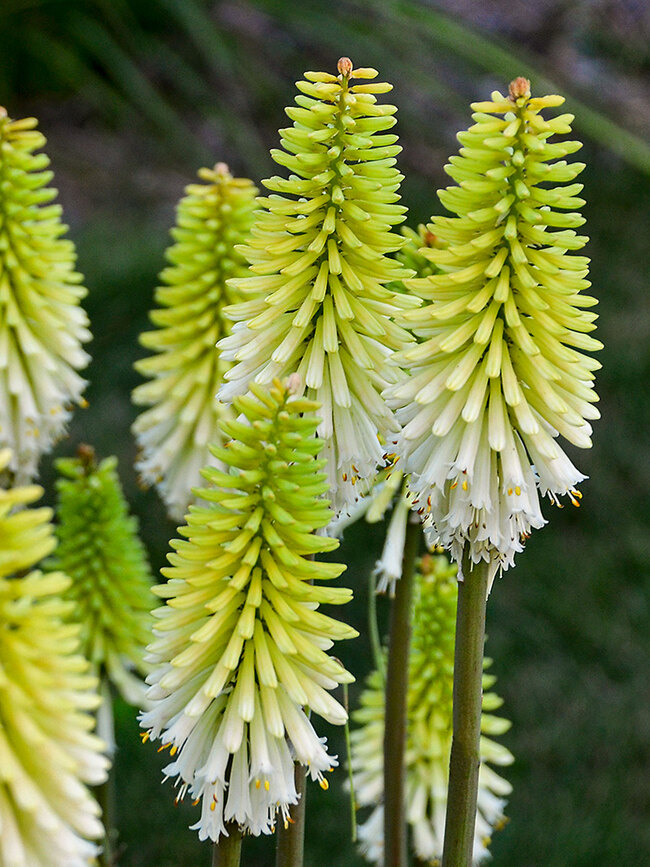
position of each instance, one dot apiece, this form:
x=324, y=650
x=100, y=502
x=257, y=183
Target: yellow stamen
x=324, y=784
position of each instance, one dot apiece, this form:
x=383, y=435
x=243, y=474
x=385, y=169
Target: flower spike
x=42, y=325
x=99, y=548
x=319, y=256
x=500, y=369
x=48, y=817
x=186, y=371
x=240, y=648
x=429, y=730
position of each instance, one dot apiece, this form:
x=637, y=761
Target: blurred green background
x=135, y=96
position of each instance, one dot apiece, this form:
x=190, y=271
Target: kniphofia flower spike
x=501, y=368
x=48, y=754
x=240, y=648
x=319, y=259
x=186, y=372
x=42, y=325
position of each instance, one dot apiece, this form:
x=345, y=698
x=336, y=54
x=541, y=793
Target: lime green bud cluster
x=42, y=324
x=239, y=652
x=47, y=750
x=319, y=256
x=99, y=548
x=501, y=369
x=431, y=670
x=186, y=373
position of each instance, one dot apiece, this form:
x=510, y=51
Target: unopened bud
x=518, y=88
x=345, y=67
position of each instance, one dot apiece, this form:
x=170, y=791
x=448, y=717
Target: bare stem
x=395, y=848
x=105, y=792
x=465, y=748
x=227, y=852
x=291, y=839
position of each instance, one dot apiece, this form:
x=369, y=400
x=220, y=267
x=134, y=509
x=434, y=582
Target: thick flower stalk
x=99, y=548
x=186, y=371
x=42, y=325
x=500, y=369
x=240, y=649
x=48, y=754
x=319, y=261
x=428, y=747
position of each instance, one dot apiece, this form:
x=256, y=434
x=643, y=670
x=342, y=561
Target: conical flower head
x=186, y=371
x=47, y=750
x=99, y=548
x=42, y=325
x=319, y=255
x=429, y=730
x=240, y=648
x=500, y=369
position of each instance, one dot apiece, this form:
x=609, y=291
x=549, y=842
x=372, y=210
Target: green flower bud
x=429, y=730
x=320, y=260
x=240, y=647
x=183, y=418
x=42, y=324
x=500, y=369
x=99, y=548
x=48, y=754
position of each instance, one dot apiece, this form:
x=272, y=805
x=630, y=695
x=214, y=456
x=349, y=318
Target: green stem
x=395, y=849
x=105, y=792
x=227, y=852
x=468, y=682
x=348, y=759
x=373, y=628
x=291, y=839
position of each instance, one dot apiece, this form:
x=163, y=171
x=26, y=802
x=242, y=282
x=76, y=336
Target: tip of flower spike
x=518, y=88
x=221, y=169
x=86, y=455
x=345, y=67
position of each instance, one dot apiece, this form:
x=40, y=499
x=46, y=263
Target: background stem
x=105, y=792
x=291, y=840
x=227, y=852
x=465, y=747
x=395, y=850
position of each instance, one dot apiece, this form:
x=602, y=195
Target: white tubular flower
x=429, y=731
x=48, y=754
x=499, y=371
x=186, y=373
x=42, y=325
x=319, y=259
x=240, y=648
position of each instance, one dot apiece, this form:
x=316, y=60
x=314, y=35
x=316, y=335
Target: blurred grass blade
x=135, y=85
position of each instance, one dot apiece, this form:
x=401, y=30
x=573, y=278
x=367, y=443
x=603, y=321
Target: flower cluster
x=431, y=666
x=99, y=548
x=319, y=261
x=500, y=368
x=48, y=752
x=240, y=649
x=42, y=325
x=183, y=418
